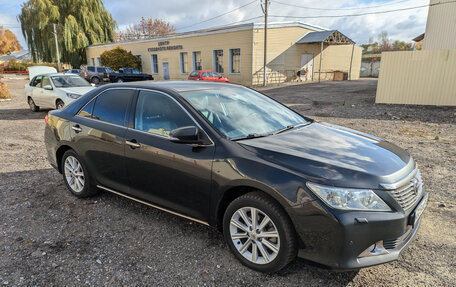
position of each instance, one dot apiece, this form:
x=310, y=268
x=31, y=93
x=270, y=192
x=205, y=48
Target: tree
x=119, y=58
x=8, y=42
x=79, y=23
x=384, y=42
x=147, y=28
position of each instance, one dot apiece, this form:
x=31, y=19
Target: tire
x=32, y=105
x=72, y=170
x=95, y=80
x=282, y=237
x=59, y=104
x=119, y=80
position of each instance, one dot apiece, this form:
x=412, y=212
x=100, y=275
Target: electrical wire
x=361, y=14
x=342, y=8
x=218, y=16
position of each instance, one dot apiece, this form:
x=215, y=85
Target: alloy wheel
x=74, y=174
x=254, y=235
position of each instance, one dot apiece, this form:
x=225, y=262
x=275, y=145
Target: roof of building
x=418, y=38
x=18, y=55
x=218, y=30
x=329, y=36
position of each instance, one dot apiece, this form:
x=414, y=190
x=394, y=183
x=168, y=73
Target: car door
x=38, y=93
x=172, y=175
x=98, y=131
x=205, y=76
x=48, y=96
x=34, y=86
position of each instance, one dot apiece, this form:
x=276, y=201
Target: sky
x=184, y=14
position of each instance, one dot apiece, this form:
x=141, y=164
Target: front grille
x=408, y=194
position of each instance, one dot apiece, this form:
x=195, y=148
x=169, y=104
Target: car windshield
x=240, y=113
x=66, y=81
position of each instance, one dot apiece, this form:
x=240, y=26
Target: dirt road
x=50, y=238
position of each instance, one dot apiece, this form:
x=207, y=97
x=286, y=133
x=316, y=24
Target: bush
x=119, y=58
x=4, y=92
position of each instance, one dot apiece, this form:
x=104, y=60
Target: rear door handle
x=77, y=128
x=133, y=144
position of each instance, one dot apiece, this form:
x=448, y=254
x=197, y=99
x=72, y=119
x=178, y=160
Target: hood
x=334, y=155
x=39, y=70
x=77, y=90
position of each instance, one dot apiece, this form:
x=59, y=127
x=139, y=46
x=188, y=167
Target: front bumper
x=337, y=239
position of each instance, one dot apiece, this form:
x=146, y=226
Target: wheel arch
x=59, y=155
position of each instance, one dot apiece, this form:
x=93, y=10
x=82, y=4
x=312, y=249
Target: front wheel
x=59, y=104
x=76, y=176
x=95, y=80
x=259, y=232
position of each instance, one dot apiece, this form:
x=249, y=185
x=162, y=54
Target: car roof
x=176, y=86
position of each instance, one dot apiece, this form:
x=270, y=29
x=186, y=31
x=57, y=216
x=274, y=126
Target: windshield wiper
x=251, y=136
x=290, y=127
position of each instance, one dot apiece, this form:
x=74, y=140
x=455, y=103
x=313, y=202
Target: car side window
x=111, y=106
x=159, y=114
x=36, y=82
x=205, y=75
x=101, y=70
x=194, y=74
x=91, y=69
x=45, y=82
x=87, y=110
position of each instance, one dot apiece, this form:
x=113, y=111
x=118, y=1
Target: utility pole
x=265, y=11
x=57, y=47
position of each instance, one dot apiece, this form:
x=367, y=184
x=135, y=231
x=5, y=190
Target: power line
x=362, y=14
x=218, y=16
x=342, y=8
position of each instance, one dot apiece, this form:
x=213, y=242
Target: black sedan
x=277, y=183
x=129, y=75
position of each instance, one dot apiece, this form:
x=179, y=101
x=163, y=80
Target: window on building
x=218, y=61
x=197, y=65
x=111, y=106
x=235, y=61
x=92, y=61
x=184, y=62
x=159, y=114
x=98, y=62
x=154, y=63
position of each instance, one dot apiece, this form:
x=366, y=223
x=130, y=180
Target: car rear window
x=111, y=106
x=194, y=74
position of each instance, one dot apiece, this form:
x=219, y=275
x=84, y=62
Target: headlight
x=73, y=96
x=349, y=199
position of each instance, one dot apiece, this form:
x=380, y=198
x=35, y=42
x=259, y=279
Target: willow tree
x=79, y=23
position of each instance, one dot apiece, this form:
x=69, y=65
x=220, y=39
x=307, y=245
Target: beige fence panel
x=418, y=78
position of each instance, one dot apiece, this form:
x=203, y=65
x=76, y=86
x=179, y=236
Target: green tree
x=119, y=58
x=79, y=23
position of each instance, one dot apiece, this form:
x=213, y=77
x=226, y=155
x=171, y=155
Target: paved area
x=50, y=238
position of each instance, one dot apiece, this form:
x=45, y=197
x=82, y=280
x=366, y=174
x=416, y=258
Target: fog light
x=374, y=249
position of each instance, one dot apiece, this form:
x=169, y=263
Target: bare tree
x=146, y=28
x=384, y=42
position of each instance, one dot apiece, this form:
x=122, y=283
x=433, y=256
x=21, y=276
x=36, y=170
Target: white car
x=49, y=89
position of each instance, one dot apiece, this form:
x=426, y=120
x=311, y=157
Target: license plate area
x=416, y=214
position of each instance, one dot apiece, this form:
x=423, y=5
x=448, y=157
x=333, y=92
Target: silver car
x=54, y=90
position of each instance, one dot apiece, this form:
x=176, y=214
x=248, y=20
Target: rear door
x=175, y=176
x=99, y=133
x=48, y=97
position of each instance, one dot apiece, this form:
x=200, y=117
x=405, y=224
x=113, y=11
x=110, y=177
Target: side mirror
x=48, y=87
x=185, y=135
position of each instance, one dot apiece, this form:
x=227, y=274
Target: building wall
x=284, y=56
x=205, y=43
x=441, y=26
x=418, y=77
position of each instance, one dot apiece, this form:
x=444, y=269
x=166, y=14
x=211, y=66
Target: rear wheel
x=259, y=232
x=76, y=176
x=32, y=105
x=95, y=80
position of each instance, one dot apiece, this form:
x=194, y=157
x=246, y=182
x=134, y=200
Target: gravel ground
x=50, y=238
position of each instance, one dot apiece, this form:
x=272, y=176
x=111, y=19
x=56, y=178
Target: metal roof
x=329, y=37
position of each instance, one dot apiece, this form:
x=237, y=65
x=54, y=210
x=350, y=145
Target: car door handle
x=77, y=128
x=133, y=144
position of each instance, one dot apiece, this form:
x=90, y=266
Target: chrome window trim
x=401, y=182
x=182, y=107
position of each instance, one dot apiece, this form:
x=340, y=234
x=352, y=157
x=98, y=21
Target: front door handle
x=77, y=128
x=133, y=144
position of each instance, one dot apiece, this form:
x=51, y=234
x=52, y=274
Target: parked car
x=208, y=76
x=94, y=74
x=227, y=156
x=49, y=89
x=129, y=75
x=72, y=71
